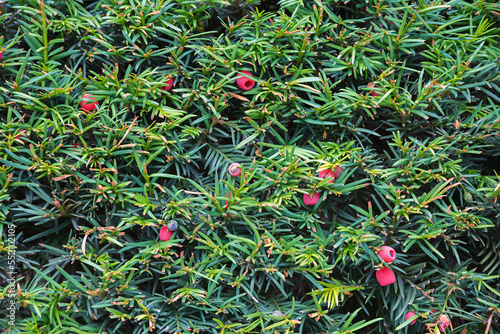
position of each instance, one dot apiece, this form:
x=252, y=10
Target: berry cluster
x=385, y=276
x=324, y=174
x=167, y=231
x=243, y=80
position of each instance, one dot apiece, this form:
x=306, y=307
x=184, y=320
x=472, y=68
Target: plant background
x=88, y=192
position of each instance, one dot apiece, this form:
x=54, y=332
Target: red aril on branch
x=21, y=134
x=244, y=82
x=338, y=171
x=385, y=276
x=388, y=254
x=169, y=83
x=234, y=169
x=76, y=147
x=227, y=205
x=87, y=103
x=327, y=174
x=410, y=315
x=372, y=92
x=165, y=233
x=443, y=322
x=311, y=200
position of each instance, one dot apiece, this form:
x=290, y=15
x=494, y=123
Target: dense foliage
x=405, y=95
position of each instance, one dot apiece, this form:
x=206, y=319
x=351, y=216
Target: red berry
x=409, y=315
x=388, y=254
x=443, y=322
x=22, y=133
x=0, y=56
x=385, y=276
x=165, y=233
x=169, y=83
x=86, y=103
x=327, y=173
x=338, y=171
x=235, y=169
x=243, y=82
x=311, y=200
x=227, y=205
x=372, y=92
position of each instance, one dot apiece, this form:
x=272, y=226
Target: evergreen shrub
x=395, y=101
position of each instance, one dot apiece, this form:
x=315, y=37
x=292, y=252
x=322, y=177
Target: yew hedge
x=399, y=100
